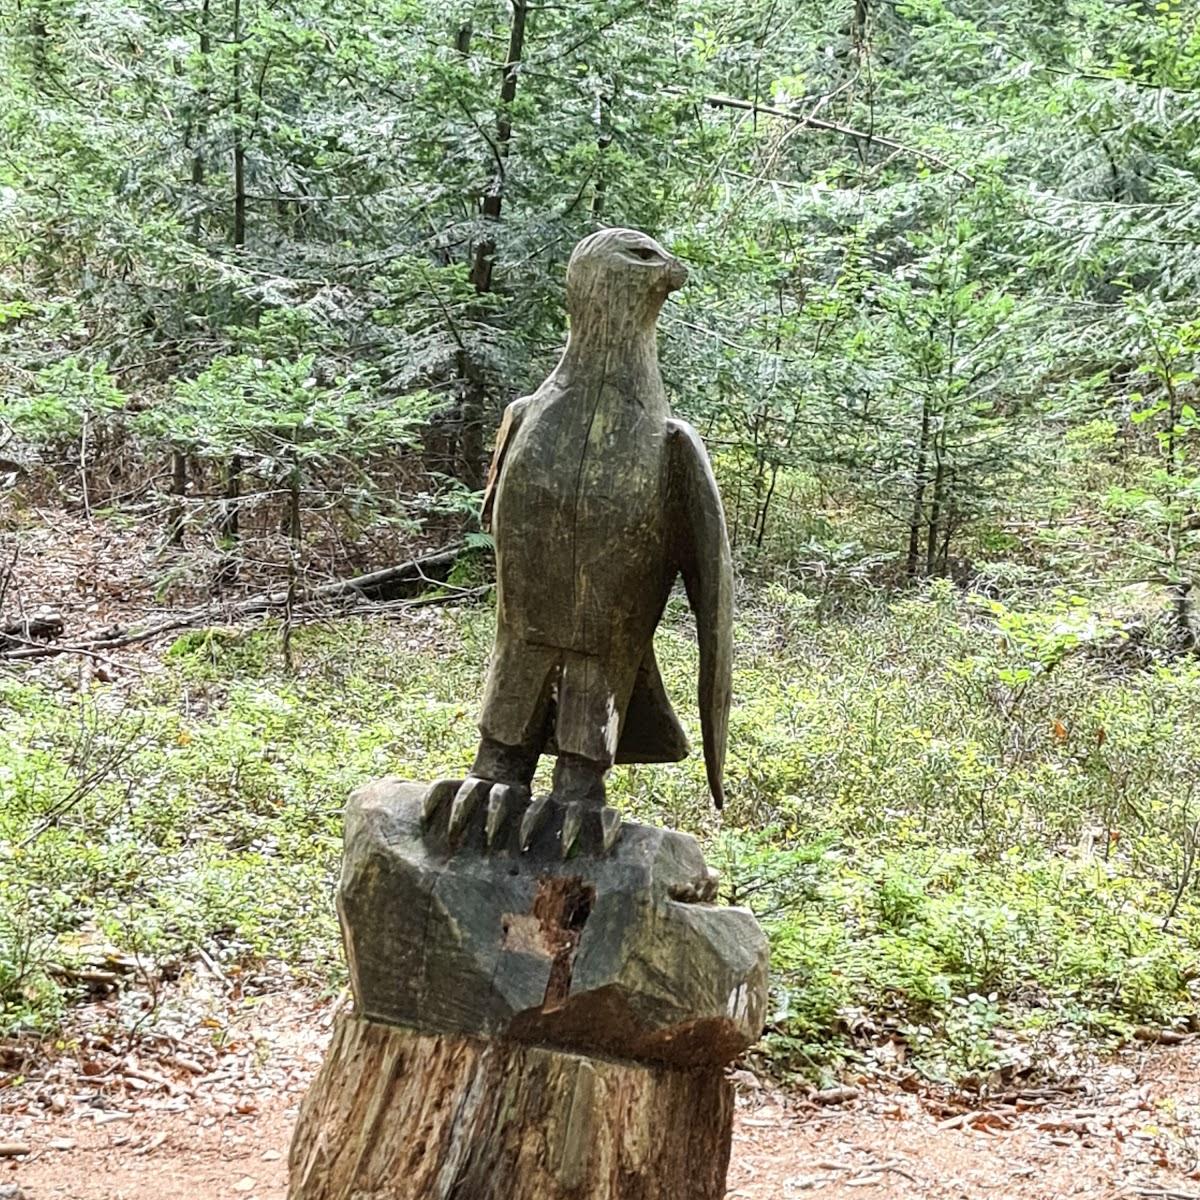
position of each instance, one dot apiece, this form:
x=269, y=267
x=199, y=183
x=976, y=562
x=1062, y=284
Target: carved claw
x=610, y=828
x=503, y=800
x=497, y=810
x=580, y=826
x=466, y=802
x=572, y=824
x=437, y=794
x=532, y=821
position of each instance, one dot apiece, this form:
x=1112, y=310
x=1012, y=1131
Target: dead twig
x=95, y=755
x=7, y=638
x=897, y=1170
x=8, y=573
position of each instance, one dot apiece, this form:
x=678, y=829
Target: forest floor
x=200, y=1107
x=185, y=1086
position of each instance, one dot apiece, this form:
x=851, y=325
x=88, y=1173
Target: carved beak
x=676, y=275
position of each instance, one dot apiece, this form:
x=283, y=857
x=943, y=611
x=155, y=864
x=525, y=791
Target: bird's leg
x=501, y=774
x=578, y=788
x=578, y=781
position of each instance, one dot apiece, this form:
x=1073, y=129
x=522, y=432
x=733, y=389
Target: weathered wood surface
x=599, y=500
x=623, y=955
x=398, y=1115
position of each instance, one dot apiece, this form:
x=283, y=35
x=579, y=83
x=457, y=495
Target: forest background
x=269, y=271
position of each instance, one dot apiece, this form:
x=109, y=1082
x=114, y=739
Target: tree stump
x=401, y=1115
x=527, y=1027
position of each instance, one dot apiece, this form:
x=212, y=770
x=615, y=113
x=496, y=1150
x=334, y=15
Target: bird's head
x=621, y=276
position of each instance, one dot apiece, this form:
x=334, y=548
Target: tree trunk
x=604, y=139
x=199, y=136
x=950, y=524
x=293, y=530
x=1181, y=617
x=39, y=39
x=179, y=481
x=935, y=506
x=917, y=509
x=765, y=508
x=195, y=138
x=469, y=450
x=858, y=24
x=231, y=519
x=294, y=524
x=469, y=460
x=239, y=143
x=400, y=1115
x=481, y=268
x=1179, y=591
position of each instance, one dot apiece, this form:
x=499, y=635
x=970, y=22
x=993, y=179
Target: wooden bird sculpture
x=598, y=500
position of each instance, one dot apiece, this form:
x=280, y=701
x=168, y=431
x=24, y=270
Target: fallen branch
x=110, y=640
x=361, y=586
x=41, y=625
x=390, y=609
x=862, y=135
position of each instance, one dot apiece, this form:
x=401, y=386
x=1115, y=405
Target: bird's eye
x=644, y=253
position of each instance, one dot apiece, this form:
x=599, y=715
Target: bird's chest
x=590, y=468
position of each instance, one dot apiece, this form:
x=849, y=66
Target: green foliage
x=289, y=262
x=997, y=835
x=938, y=855
x=281, y=421
x=65, y=398
x=905, y=319
x=1041, y=638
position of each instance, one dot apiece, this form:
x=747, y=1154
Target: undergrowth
x=969, y=831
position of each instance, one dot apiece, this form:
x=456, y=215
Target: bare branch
x=834, y=127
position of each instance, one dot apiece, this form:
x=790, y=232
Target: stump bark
x=400, y=1115
x=527, y=1027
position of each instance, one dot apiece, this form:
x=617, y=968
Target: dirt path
x=205, y=1114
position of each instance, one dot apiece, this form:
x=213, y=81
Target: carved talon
x=497, y=810
x=464, y=797
x=531, y=822
x=571, y=825
x=610, y=828
x=466, y=802
x=503, y=800
x=438, y=794
x=581, y=826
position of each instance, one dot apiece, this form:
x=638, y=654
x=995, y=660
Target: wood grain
x=399, y=1115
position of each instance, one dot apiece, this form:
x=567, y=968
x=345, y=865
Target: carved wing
x=701, y=548
x=508, y=426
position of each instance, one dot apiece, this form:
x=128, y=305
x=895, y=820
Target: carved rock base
x=399, y=1115
x=616, y=956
